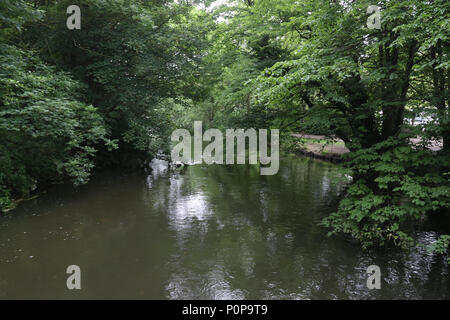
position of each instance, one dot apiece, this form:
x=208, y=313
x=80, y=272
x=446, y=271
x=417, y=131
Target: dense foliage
x=46, y=129
x=111, y=88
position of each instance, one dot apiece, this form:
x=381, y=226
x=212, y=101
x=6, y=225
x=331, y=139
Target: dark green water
x=210, y=232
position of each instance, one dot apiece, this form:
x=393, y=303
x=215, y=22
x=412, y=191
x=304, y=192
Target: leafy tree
x=335, y=76
x=133, y=55
x=68, y=95
x=47, y=131
x=358, y=81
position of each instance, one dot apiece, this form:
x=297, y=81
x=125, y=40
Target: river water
x=205, y=232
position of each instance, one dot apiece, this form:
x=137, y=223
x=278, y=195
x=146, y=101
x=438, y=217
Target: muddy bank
x=319, y=147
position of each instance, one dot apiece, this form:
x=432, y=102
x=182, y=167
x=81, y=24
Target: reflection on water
x=205, y=232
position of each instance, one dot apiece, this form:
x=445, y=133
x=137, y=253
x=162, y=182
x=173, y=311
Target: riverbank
x=320, y=147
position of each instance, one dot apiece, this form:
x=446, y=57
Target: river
x=205, y=232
